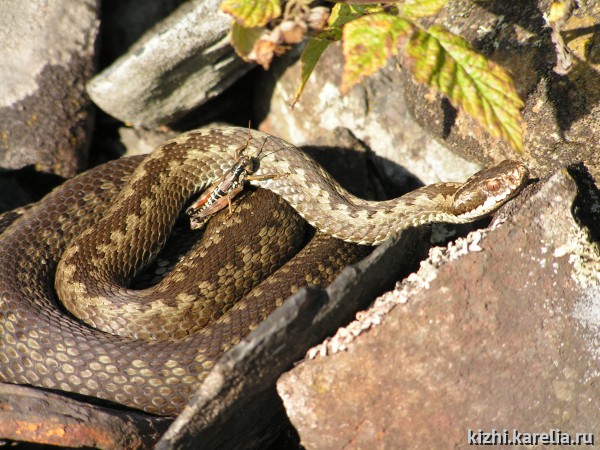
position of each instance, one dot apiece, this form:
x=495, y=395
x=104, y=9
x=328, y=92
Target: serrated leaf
x=342, y=13
x=252, y=13
x=482, y=88
x=243, y=39
x=421, y=8
x=310, y=55
x=368, y=42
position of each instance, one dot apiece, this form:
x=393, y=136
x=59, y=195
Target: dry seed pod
x=317, y=18
x=262, y=53
x=292, y=32
x=275, y=36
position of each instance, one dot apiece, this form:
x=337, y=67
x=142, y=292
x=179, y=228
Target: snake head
x=489, y=189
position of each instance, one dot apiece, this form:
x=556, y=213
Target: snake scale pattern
x=86, y=241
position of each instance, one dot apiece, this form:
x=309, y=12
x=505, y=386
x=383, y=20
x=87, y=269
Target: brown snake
x=105, y=231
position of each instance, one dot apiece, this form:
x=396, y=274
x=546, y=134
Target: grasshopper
x=230, y=184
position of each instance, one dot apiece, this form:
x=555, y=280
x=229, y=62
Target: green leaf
x=310, y=55
x=482, y=88
x=252, y=13
x=243, y=39
x=368, y=42
x=421, y=8
x=342, y=13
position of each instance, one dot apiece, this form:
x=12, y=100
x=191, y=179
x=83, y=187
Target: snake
x=69, y=319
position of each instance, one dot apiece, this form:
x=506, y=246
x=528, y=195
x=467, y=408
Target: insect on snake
x=226, y=187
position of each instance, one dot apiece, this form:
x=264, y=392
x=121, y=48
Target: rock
x=562, y=113
x=142, y=141
x=36, y=416
x=179, y=64
x=373, y=111
x=124, y=22
x=498, y=331
x=45, y=116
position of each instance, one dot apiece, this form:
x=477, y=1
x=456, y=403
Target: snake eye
x=492, y=185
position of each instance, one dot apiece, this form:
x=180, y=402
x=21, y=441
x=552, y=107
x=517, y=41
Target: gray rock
x=44, y=112
x=142, y=141
x=498, y=331
x=124, y=22
x=179, y=64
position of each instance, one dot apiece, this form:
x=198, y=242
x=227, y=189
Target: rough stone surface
x=507, y=336
x=562, y=113
x=375, y=112
x=36, y=416
x=179, y=64
x=44, y=112
x=125, y=21
x=142, y=141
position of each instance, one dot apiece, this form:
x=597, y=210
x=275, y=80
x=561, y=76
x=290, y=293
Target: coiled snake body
x=105, y=231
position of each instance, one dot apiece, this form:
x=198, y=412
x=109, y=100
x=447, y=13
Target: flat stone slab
x=182, y=62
